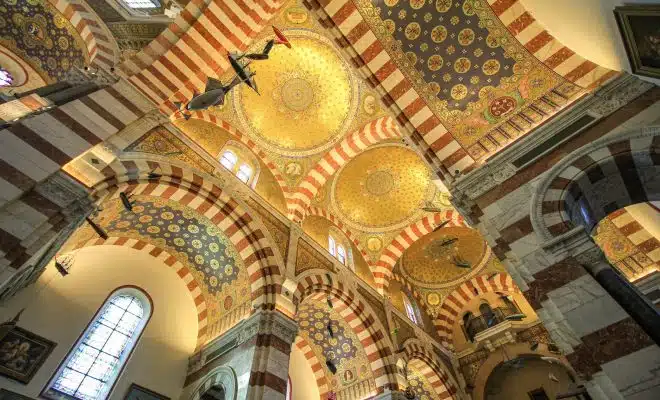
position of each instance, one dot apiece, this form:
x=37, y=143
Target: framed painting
x=22, y=353
x=640, y=30
x=9, y=395
x=137, y=392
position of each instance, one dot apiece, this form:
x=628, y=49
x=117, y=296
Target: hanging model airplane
x=215, y=91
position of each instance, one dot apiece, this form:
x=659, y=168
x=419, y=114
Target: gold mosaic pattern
x=420, y=384
x=308, y=96
x=614, y=243
x=381, y=187
x=428, y=263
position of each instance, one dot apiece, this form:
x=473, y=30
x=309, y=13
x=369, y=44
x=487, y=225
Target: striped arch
x=417, y=356
x=224, y=376
x=456, y=300
x=197, y=191
x=373, y=61
x=321, y=212
x=542, y=45
x=195, y=46
x=315, y=364
x=383, y=268
x=597, y=179
x=101, y=46
x=359, y=316
x=213, y=119
x=372, y=133
x=168, y=259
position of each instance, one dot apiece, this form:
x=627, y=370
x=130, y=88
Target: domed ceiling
x=42, y=37
x=431, y=262
x=382, y=187
x=308, y=98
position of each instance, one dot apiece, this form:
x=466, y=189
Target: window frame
x=411, y=313
x=222, y=157
x=240, y=171
x=341, y=254
x=148, y=309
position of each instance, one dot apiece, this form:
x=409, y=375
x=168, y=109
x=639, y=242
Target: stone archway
x=220, y=380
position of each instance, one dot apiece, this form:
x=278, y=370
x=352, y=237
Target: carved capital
x=619, y=93
x=266, y=322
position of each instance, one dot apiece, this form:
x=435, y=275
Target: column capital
x=267, y=322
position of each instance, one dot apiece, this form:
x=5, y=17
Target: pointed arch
x=353, y=144
x=199, y=192
x=383, y=268
x=238, y=135
x=360, y=317
x=456, y=300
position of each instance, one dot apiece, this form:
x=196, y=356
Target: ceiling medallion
x=296, y=94
x=380, y=182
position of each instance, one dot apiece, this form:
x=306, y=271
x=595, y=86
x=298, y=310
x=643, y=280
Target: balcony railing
x=480, y=323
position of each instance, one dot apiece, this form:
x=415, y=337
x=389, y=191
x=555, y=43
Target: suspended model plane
x=215, y=91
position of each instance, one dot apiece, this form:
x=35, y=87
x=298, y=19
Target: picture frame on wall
x=137, y=392
x=639, y=26
x=22, y=353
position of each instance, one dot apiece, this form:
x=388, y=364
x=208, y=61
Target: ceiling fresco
x=382, y=187
x=429, y=262
x=420, y=384
x=308, y=97
x=467, y=66
x=42, y=36
x=193, y=239
x=342, y=348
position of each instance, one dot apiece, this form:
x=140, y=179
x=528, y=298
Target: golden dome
x=429, y=262
x=308, y=96
x=381, y=187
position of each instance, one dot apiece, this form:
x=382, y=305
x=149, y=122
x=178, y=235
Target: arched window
x=341, y=254
x=92, y=367
x=244, y=173
x=332, y=245
x=228, y=160
x=410, y=310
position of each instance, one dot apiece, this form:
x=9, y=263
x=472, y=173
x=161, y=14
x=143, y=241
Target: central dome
x=381, y=187
x=308, y=96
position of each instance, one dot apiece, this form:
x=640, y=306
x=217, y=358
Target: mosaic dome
x=308, y=97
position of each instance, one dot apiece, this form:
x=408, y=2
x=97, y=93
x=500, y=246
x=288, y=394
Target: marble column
x=256, y=351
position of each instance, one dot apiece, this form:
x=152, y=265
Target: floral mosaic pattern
x=41, y=35
x=420, y=385
x=202, y=244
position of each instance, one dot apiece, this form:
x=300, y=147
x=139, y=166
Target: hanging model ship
x=215, y=91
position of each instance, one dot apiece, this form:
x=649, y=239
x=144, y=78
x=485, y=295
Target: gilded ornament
x=433, y=299
x=443, y=5
x=435, y=62
x=462, y=65
x=413, y=30
x=296, y=15
x=458, y=92
x=417, y=4
x=439, y=34
x=369, y=105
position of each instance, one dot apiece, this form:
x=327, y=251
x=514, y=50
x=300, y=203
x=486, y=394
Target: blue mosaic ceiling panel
x=41, y=36
x=420, y=385
x=448, y=44
x=314, y=319
x=181, y=230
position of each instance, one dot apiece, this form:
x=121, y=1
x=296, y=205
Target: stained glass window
x=93, y=366
x=228, y=160
x=244, y=173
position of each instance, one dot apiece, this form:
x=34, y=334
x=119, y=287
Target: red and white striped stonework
x=456, y=300
x=195, y=46
x=418, y=358
x=360, y=317
x=169, y=260
x=238, y=135
x=353, y=144
x=621, y=162
x=383, y=268
x=203, y=196
x=321, y=212
x=101, y=46
x=641, y=238
x=37, y=147
x=315, y=364
x=538, y=41
x=398, y=93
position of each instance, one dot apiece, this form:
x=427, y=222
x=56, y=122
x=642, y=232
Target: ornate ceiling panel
x=308, y=98
x=485, y=87
x=429, y=262
x=382, y=187
x=42, y=36
x=343, y=348
x=420, y=384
